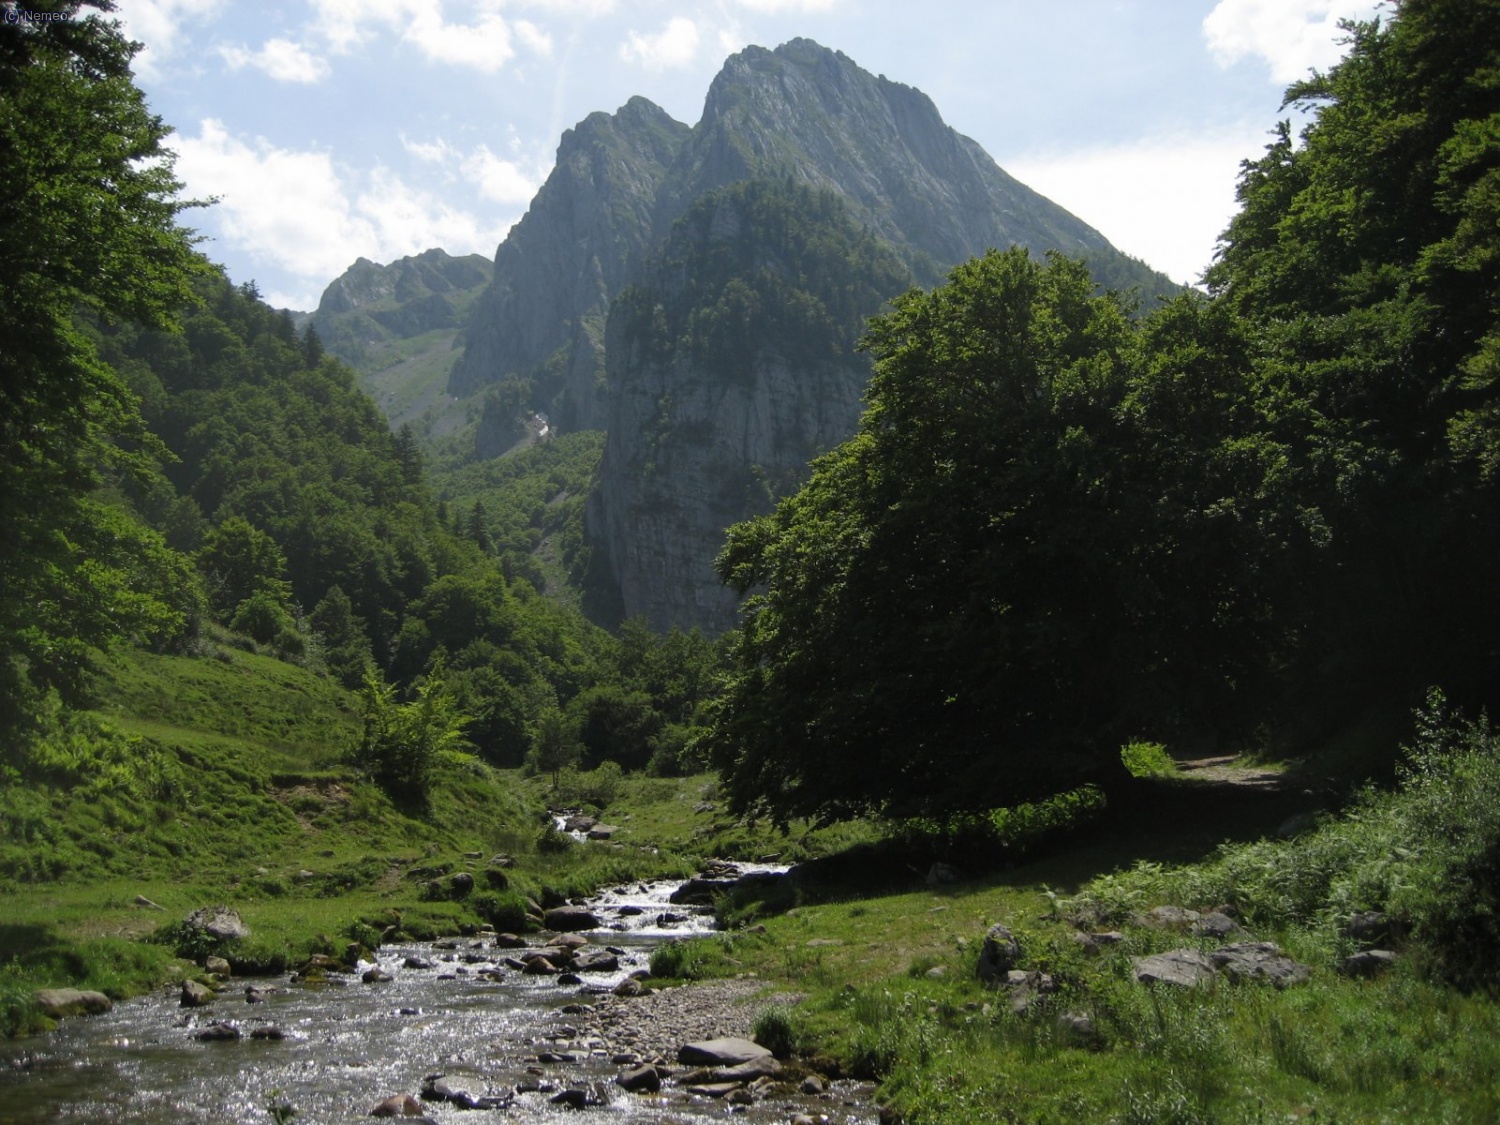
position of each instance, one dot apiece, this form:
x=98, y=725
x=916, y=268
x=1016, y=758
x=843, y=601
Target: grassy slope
x=231, y=785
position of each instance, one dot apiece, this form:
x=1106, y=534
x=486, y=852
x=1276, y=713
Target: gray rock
x=629, y=987
x=570, y=918
x=146, y=903
x=271, y=1034
x=195, y=995
x=217, y=1033
x=1170, y=917
x=639, y=1080
x=813, y=1085
x=1028, y=989
x=218, y=966
x=1184, y=968
x=1215, y=924
x=596, y=961
x=1367, y=963
x=729, y=1051
x=496, y=878
x=602, y=832
x=1259, y=961
x=573, y=1099
x=461, y=883
x=1371, y=928
x=57, y=1003
x=1077, y=1027
x=219, y=923
x=941, y=875
x=999, y=954
x=713, y=1089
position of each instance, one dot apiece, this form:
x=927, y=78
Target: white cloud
x=1163, y=199
x=1290, y=36
x=674, y=45
x=484, y=45
x=499, y=180
x=537, y=41
x=282, y=59
x=434, y=152
x=296, y=212
x=588, y=8
x=159, y=25
x=775, y=7
x=347, y=24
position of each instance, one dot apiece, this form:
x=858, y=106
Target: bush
x=1147, y=759
x=504, y=910
x=776, y=1030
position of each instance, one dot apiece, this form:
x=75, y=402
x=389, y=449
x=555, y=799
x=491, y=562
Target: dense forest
x=179, y=459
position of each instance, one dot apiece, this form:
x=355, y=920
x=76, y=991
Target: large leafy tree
x=1368, y=259
x=92, y=223
x=1010, y=568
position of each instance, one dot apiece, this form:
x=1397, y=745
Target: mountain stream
x=348, y=1045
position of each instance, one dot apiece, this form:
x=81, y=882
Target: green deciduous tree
x=91, y=222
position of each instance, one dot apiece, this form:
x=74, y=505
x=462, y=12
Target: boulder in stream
x=728, y=1051
x=195, y=995
x=640, y=1079
x=570, y=918
x=398, y=1105
x=59, y=1002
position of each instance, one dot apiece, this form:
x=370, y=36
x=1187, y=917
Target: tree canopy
x=92, y=223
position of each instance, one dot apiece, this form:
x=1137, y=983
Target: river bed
x=347, y=1045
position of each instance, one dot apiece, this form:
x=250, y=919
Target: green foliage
x=1147, y=759
x=84, y=158
x=1424, y=853
x=504, y=910
x=239, y=561
x=776, y=1029
x=1367, y=254
x=1060, y=527
x=402, y=743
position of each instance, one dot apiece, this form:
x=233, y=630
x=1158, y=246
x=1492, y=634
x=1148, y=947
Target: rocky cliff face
x=702, y=435
x=810, y=113
x=542, y=317
x=730, y=366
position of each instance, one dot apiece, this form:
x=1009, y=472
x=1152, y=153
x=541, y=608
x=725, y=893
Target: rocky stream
x=553, y=1027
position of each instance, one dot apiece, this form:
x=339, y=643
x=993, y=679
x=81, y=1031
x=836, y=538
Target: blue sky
x=336, y=129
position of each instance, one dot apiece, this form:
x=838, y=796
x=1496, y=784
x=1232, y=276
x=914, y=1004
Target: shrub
x=776, y=1030
x=1147, y=759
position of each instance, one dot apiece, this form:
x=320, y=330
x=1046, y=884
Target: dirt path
x=1224, y=771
